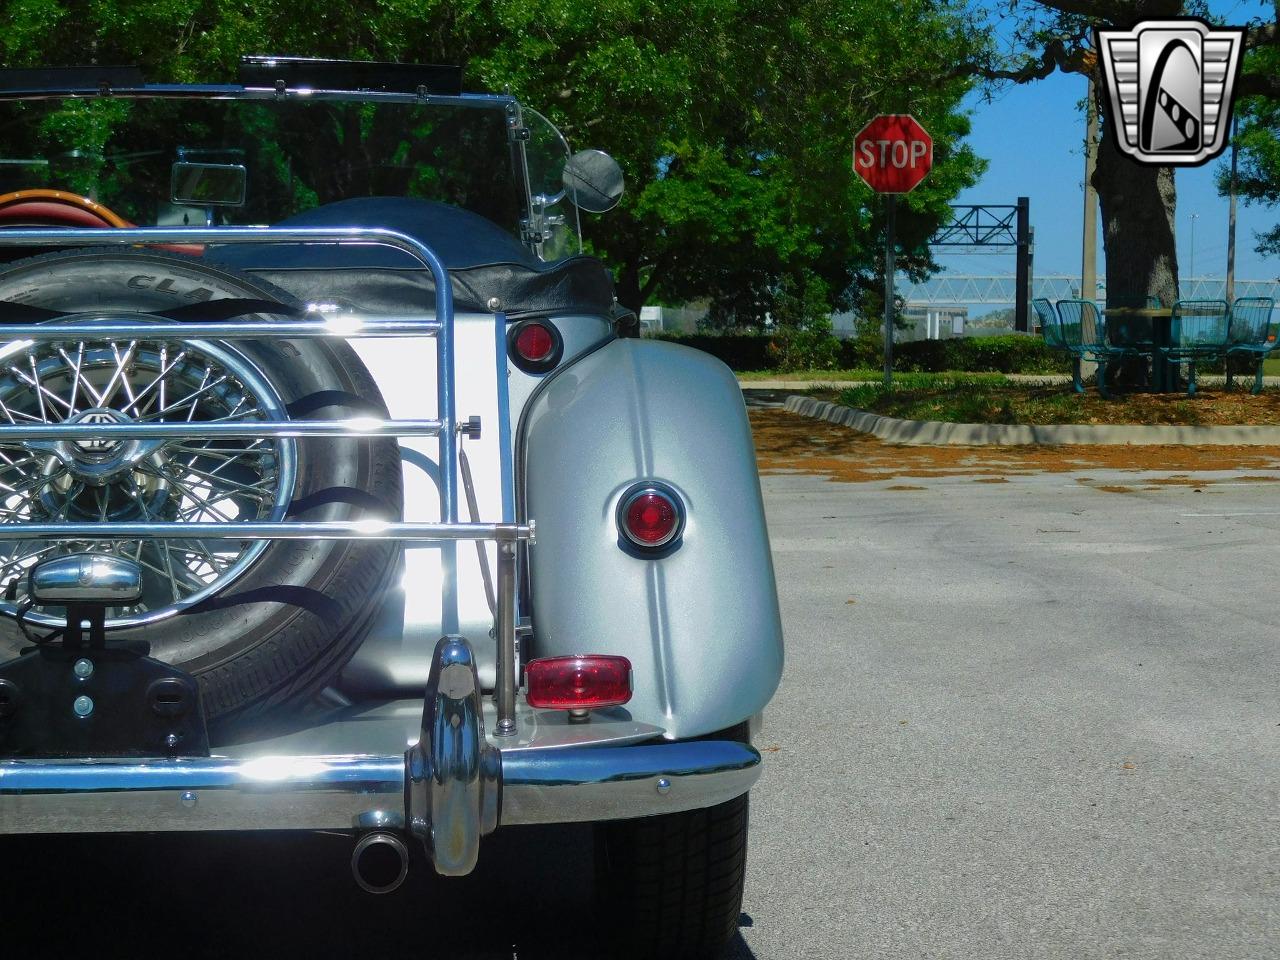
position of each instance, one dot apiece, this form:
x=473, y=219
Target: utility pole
x=1231, y=218
x=1089, y=249
x=1191, y=257
x=1022, y=270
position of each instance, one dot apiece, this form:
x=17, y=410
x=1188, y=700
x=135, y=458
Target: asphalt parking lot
x=1026, y=713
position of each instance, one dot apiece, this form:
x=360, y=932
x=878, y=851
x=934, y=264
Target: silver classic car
x=336, y=494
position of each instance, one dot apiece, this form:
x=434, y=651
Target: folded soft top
x=484, y=262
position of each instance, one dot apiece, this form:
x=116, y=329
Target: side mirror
x=593, y=181
x=208, y=184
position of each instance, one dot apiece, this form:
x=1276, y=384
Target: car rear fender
x=699, y=622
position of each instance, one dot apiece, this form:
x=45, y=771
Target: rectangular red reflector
x=578, y=683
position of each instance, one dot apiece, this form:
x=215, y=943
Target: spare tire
x=260, y=624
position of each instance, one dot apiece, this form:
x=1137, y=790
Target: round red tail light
x=535, y=346
x=534, y=342
x=650, y=517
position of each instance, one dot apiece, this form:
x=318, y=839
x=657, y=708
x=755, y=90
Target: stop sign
x=892, y=153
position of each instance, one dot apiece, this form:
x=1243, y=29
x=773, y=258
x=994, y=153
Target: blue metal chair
x=1054, y=338
x=1081, y=327
x=1198, y=331
x=1249, y=334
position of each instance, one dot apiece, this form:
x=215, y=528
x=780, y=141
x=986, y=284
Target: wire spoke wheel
x=182, y=481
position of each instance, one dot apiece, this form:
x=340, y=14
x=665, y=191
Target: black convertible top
x=484, y=262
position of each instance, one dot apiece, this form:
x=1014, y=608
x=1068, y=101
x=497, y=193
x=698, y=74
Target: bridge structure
x=945, y=289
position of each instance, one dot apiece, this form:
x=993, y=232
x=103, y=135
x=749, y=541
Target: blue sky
x=1033, y=139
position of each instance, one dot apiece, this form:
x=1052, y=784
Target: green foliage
x=740, y=351
x=732, y=120
x=1009, y=354
x=1258, y=179
x=802, y=338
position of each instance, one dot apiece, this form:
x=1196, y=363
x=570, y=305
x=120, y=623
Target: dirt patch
x=787, y=442
x=992, y=480
x=962, y=400
x=905, y=486
x=1113, y=488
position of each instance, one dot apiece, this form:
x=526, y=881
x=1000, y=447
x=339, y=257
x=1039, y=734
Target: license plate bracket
x=113, y=701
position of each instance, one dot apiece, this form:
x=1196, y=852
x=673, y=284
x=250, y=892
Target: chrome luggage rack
x=444, y=426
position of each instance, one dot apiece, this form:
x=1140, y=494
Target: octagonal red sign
x=892, y=153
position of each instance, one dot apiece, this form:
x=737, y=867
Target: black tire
x=671, y=886
x=282, y=629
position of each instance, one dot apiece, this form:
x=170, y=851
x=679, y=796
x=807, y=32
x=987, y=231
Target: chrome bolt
x=171, y=740
x=664, y=786
x=189, y=798
x=494, y=304
x=82, y=668
x=83, y=706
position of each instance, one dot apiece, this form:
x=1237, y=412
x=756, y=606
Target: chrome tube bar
x=295, y=793
x=268, y=530
x=563, y=785
x=333, y=325
x=220, y=429
x=505, y=630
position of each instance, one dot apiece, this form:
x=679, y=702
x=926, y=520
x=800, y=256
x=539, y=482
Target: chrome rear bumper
x=449, y=789
x=569, y=784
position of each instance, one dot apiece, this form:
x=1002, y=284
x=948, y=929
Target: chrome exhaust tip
x=379, y=862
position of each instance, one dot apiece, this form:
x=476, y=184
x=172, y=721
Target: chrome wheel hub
x=162, y=481
x=98, y=461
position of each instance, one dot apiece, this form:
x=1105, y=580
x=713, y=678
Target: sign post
x=892, y=154
x=890, y=267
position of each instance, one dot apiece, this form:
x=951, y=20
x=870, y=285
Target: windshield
x=296, y=154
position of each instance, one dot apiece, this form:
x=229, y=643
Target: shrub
x=741, y=351
x=1006, y=354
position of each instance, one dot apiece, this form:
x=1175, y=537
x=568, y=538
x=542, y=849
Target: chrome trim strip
x=268, y=530
x=333, y=325
x=561, y=785
x=199, y=91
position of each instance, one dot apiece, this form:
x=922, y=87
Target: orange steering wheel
x=46, y=208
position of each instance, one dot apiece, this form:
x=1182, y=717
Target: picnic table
x=1149, y=330
x=1190, y=332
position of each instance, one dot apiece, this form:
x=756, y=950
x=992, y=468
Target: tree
x=1258, y=111
x=732, y=119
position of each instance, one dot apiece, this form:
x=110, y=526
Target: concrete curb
x=1243, y=382
x=934, y=433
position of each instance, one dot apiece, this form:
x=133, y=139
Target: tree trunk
x=1139, y=207
x=1139, y=220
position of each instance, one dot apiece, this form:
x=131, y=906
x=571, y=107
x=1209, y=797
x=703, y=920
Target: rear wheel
x=672, y=885
x=260, y=624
